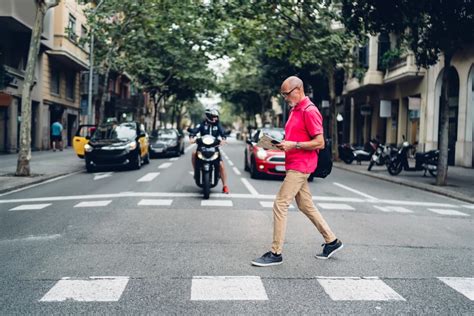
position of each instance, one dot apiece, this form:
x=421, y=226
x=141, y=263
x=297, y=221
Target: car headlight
x=261, y=154
x=88, y=148
x=132, y=145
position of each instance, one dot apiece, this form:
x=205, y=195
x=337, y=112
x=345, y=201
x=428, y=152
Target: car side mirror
x=88, y=137
x=249, y=141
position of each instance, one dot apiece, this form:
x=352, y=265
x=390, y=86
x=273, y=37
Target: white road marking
x=95, y=289
x=358, y=289
x=414, y=203
x=93, y=203
x=334, y=206
x=149, y=177
x=189, y=148
x=41, y=183
x=102, y=175
x=165, y=165
x=249, y=186
x=33, y=238
x=27, y=207
x=398, y=209
x=217, y=203
x=270, y=204
x=370, y=197
x=465, y=286
x=236, y=171
x=447, y=212
x=471, y=206
x=228, y=288
x=230, y=163
x=191, y=173
x=174, y=159
x=155, y=202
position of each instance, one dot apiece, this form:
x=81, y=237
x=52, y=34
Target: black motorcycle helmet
x=212, y=115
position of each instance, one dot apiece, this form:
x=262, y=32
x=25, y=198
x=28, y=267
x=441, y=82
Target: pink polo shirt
x=302, y=126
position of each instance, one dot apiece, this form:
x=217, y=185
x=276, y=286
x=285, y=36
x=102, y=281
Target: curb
x=413, y=184
x=39, y=180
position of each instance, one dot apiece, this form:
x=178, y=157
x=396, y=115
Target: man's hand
x=286, y=145
x=223, y=142
x=192, y=140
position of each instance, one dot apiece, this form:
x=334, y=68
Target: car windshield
x=164, y=134
x=125, y=132
x=277, y=134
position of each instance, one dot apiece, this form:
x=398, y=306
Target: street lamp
x=91, y=70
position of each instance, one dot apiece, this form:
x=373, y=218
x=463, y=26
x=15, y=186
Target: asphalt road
x=144, y=242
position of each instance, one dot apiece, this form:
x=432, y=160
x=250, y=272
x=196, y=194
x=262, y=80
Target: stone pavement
x=44, y=165
x=460, y=180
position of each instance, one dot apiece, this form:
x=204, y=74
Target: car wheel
x=137, y=162
x=246, y=164
x=254, y=173
x=89, y=166
x=182, y=150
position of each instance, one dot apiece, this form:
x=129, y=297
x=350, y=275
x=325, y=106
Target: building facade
x=394, y=100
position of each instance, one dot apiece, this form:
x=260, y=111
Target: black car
x=113, y=144
x=166, y=142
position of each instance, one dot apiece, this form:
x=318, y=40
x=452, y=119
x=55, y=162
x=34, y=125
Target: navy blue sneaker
x=330, y=249
x=268, y=259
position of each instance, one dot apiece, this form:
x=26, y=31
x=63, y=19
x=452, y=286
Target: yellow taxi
x=113, y=145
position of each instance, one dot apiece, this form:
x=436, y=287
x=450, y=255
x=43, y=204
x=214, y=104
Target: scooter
x=427, y=161
x=381, y=155
x=207, y=168
x=349, y=153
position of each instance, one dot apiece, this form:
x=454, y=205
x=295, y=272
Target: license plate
x=280, y=168
x=158, y=150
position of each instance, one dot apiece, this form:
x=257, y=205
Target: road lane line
x=230, y=163
x=174, y=159
x=93, y=203
x=228, y=288
x=226, y=203
x=249, y=186
x=149, y=177
x=33, y=238
x=27, y=207
x=165, y=165
x=236, y=171
x=102, y=175
x=355, y=191
x=155, y=202
x=447, y=212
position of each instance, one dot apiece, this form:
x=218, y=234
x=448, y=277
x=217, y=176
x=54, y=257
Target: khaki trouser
x=295, y=186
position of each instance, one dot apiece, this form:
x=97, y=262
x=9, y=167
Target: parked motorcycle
x=207, y=169
x=349, y=153
x=427, y=161
x=381, y=155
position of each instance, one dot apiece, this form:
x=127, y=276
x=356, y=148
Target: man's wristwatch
x=298, y=145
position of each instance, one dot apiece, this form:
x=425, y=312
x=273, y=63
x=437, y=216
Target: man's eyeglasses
x=285, y=94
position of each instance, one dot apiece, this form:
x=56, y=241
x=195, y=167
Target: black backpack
x=324, y=166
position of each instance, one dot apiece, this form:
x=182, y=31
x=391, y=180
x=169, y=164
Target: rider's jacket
x=206, y=128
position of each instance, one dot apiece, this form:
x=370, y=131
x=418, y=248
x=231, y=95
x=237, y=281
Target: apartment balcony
x=370, y=79
x=403, y=69
x=67, y=51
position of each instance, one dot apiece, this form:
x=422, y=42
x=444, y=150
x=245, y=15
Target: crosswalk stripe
x=216, y=203
x=358, y=289
x=447, y=212
x=270, y=204
x=465, y=286
x=26, y=207
x=94, y=289
x=155, y=202
x=93, y=203
x=398, y=209
x=149, y=177
x=228, y=288
x=165, y=165
x=335, y=206
x=469, y=206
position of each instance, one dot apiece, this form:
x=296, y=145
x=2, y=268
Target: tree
x=24, y=155
x=431, y=28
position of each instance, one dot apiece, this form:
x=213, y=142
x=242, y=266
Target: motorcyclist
x=211, y=126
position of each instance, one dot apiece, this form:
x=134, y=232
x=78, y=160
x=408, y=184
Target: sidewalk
x=44, y=165
x=460, y=180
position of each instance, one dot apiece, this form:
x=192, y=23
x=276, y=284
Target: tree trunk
x=441, y=178
x=104, y=96
x=156, y=110
x=24, y=155
x=333, y=115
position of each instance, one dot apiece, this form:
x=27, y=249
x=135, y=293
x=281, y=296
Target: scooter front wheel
x=433, y=173
x=206, y=184
x=371, y=164
x=394, y=169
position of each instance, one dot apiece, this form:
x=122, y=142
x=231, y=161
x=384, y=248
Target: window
x=71, y=28
x=55, y=81
x=70, y=85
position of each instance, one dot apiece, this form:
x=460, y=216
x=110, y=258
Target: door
x=71, y=127
x=83, y=134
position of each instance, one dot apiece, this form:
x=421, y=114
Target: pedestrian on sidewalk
x=303, y=136
x=56, y=135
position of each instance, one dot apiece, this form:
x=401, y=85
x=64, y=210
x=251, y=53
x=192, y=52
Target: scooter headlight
x=207, y=140
x=261, y=154
x=88, y=148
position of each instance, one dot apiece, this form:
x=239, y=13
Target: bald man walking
x=303, y=138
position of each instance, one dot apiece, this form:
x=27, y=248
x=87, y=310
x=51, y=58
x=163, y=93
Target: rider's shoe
x=225, y=189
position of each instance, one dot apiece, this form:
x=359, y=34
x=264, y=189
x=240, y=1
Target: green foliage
x=390, y=57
